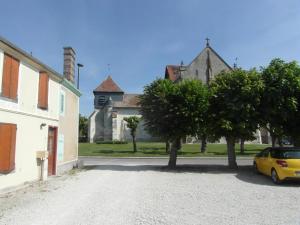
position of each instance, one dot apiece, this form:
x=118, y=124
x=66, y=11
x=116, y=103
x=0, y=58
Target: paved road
x=161, y=161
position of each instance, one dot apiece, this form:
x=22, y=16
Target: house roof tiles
x=129, y=101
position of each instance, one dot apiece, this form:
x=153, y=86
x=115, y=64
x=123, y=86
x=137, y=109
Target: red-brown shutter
x=43, y=90
x=7, y=147
x=10, y=77
x=6, y=76
x=14, y=78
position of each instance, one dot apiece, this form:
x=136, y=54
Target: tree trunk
x=231, y=152
x=242, y=146
x=203, y=143
x=280, y=141
x=134, y=143
x=273, y=140
x=167, y=147
x=175, y=146
x=296, y=141
x=180, y=144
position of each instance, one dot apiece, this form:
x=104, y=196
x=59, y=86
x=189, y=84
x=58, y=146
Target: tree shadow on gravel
x=243, y=173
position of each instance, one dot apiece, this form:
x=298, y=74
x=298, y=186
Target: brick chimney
x=69, y=64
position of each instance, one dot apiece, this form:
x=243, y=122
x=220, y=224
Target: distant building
x=39, y=110
x=111, y=105
x=205, y=67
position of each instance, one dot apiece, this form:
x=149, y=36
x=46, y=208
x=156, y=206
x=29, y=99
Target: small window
x=10, y=77
x=43, y=90
x=62, y=102
x=197, y=73
x=7, y=147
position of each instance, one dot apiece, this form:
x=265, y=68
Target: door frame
x=54, y=150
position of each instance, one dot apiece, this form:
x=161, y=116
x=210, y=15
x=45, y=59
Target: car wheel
x=255, y=169
x=275, y=177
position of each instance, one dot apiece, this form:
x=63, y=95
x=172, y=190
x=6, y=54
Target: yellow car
x=280, y=163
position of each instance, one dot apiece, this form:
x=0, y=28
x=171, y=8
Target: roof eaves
x=70, y=86
x=57, y=75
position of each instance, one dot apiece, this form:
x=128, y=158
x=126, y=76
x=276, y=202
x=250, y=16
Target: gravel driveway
x=111, y=194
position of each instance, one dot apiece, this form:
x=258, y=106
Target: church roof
x=108, y=86
x=172, y=72
x=208, y=48
x=129, y=101
x=207, y=61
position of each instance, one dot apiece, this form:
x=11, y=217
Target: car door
x=265, y=161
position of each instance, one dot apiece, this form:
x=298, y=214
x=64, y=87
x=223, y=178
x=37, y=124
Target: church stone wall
x=108, y=124
x=197, y=68
x=98, y=97
x=122, y=132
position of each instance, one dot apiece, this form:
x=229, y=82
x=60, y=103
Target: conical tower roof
x=109, y=85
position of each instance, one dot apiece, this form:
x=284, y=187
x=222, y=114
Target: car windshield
x=286, y=154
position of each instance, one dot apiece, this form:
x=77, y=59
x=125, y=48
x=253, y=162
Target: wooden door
x=52, y=143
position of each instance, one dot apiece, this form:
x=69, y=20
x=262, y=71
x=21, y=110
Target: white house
x=39, y=111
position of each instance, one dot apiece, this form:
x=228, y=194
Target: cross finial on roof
x=207, y=42
x=235, y=63
x=108, y=67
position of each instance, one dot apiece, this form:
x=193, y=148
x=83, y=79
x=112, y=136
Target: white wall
x=122, y=132
x=28, y=93
x=92, y=126
x=30, y=138
x=1, y=67
x=28, y=118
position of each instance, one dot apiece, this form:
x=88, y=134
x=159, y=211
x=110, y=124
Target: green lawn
x=158, y=149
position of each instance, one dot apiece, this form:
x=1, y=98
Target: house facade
x=111, y=106
x=39, y=110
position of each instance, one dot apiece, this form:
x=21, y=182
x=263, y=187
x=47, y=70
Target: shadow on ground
x=243, y=173
x=161, y=152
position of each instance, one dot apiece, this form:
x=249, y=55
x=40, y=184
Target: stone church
x=205, y=67
x=111, y=104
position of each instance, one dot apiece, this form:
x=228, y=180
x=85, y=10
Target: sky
x=138, y=38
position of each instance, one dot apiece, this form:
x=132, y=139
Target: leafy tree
x=234, y=101
x=132, y=124
x=280, y=99
x=173, y=111
x=292, y=123
x=83, y=128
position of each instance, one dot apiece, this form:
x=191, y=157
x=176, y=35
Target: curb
x=159, y=157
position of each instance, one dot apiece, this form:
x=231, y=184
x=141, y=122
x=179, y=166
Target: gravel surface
x=109, y=194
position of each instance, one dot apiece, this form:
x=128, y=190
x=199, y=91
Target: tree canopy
x=83, y=128
x=234, y=102
x=132, y=124
x=280, y=100
x=173, y=111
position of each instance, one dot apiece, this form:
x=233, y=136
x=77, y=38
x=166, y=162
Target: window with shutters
x=7, y=147
x=10, y=77
x=43, y=90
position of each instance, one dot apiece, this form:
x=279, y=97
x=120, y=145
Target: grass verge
x=152, y=149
